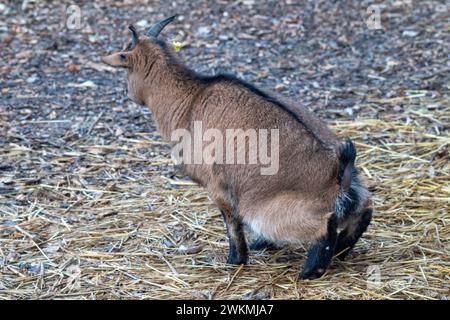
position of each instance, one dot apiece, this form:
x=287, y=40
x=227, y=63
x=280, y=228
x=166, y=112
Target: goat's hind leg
x=351, y=234
x=320, y=252
x=261, y=243
x=238, y=251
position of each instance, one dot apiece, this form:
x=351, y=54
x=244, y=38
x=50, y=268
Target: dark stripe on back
x=265, y=96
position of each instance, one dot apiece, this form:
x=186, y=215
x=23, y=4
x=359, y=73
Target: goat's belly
x=286, y=219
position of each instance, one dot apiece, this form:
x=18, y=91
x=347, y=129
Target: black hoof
x=343, y=254
x=312, y=274
x=236, y=260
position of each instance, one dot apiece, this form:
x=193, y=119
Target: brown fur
x=293, y=205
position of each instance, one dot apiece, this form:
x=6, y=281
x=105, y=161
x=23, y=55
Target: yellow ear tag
x=177, y=46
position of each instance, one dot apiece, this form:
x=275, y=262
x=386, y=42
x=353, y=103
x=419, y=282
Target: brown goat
x=316, y=191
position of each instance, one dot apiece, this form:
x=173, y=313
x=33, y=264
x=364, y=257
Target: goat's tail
x=347, y=178
x=346, y=164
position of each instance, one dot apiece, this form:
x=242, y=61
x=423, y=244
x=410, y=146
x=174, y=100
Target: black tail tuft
x=346, y=163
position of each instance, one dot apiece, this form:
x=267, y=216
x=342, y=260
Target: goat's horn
x=135, y=35
x=157, y=27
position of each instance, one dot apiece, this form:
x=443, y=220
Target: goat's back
x=308, y=150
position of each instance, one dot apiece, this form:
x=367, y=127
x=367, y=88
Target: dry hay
x=123, y=226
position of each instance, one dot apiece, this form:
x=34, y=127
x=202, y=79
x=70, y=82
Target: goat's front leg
x=238, y=251
x=320, y=252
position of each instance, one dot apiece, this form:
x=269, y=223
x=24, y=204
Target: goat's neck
x=169, y=95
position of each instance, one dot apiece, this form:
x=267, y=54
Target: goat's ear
x=119, y=59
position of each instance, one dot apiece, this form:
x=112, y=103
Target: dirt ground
x=91, y=207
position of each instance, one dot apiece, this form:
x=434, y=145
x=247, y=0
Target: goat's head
x=138, y=57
